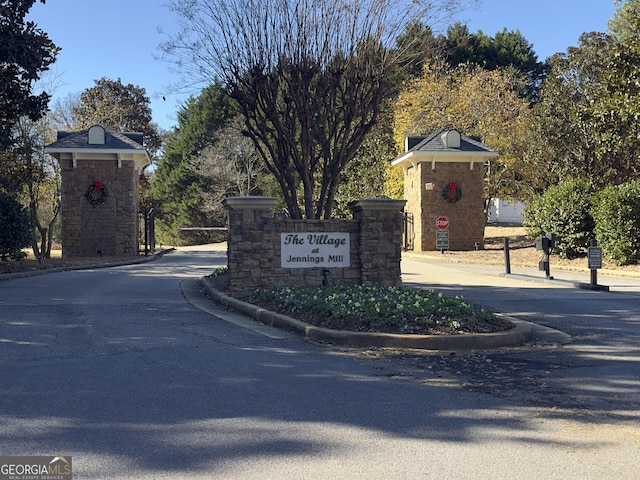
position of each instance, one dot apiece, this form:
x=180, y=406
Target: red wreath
x=96, y=186
x=452, y=193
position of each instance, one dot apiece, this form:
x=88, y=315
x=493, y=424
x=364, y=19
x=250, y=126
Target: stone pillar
x=466, y=215
x=100, y=191
x=444, y=177
x=380, y=222
x=250, y=245
x=108, y=228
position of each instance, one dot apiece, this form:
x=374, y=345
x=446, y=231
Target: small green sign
x=442, y=239
x=594, y=255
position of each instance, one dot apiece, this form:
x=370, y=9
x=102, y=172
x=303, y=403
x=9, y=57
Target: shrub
x=617, y=215
x=564, y=209
x=15, y=228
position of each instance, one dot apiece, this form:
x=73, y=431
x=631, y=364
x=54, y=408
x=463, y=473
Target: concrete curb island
x=521, y=333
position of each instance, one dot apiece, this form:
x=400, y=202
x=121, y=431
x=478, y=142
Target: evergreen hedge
x=15, y=228
x=616, y=212
x=563, y=209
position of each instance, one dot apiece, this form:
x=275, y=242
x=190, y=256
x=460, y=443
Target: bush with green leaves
x=15, y=228
x=617, y=215
x=563, y=209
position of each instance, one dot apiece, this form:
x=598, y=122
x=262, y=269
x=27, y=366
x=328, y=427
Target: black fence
x=407, y=232
x=147, y=231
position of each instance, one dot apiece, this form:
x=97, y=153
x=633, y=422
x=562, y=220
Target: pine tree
x=175, y=192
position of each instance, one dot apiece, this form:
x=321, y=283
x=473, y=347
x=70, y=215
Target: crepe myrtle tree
x=309, y=77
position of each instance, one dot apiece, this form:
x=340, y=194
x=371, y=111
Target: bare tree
x=62, y=114
x=309, y=77
x=42, y=188
x=232, y=166
x=41, y=182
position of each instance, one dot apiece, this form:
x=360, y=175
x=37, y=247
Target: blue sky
x=119, y=38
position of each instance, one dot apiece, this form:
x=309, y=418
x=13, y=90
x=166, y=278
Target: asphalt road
x=598, y=372
x=135, y=375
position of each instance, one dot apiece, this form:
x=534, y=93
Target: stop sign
x=442, y=223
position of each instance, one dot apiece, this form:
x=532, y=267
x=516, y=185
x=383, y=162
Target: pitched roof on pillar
x=90, y=142
x=444, y=145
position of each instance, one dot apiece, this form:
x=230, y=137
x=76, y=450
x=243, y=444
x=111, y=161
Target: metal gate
x=147, y=224
x=407, y=231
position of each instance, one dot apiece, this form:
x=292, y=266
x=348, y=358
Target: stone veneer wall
x=107, y=229
x=466, y=216
x=254, y=249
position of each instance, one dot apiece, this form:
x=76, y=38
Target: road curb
x=557, y=281
x=44, y=271
x=521, y=333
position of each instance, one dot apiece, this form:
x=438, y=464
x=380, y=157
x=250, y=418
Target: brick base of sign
x=256, y=242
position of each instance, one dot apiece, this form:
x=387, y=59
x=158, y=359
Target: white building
x=505, y=211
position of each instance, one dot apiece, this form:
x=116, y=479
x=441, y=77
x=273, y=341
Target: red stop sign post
x=442, y=234
x=442, y=223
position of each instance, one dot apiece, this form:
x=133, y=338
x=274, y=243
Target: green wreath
x=452, y=193
x=94, y=188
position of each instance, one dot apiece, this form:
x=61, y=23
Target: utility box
x=545, y=244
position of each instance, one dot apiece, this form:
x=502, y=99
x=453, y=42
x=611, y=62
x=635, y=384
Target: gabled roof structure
x=100, y=140
x=444, y=145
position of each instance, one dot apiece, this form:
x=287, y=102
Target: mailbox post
x=545, y=244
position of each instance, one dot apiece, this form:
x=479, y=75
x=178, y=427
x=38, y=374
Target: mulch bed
x=467, y=326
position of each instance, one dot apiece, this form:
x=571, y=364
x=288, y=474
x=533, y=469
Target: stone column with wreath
x=443, y=185
x=100, y=192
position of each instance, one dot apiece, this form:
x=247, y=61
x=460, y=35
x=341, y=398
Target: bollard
x=507, y=256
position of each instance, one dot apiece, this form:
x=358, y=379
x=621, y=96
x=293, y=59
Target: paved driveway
x=119, y=369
